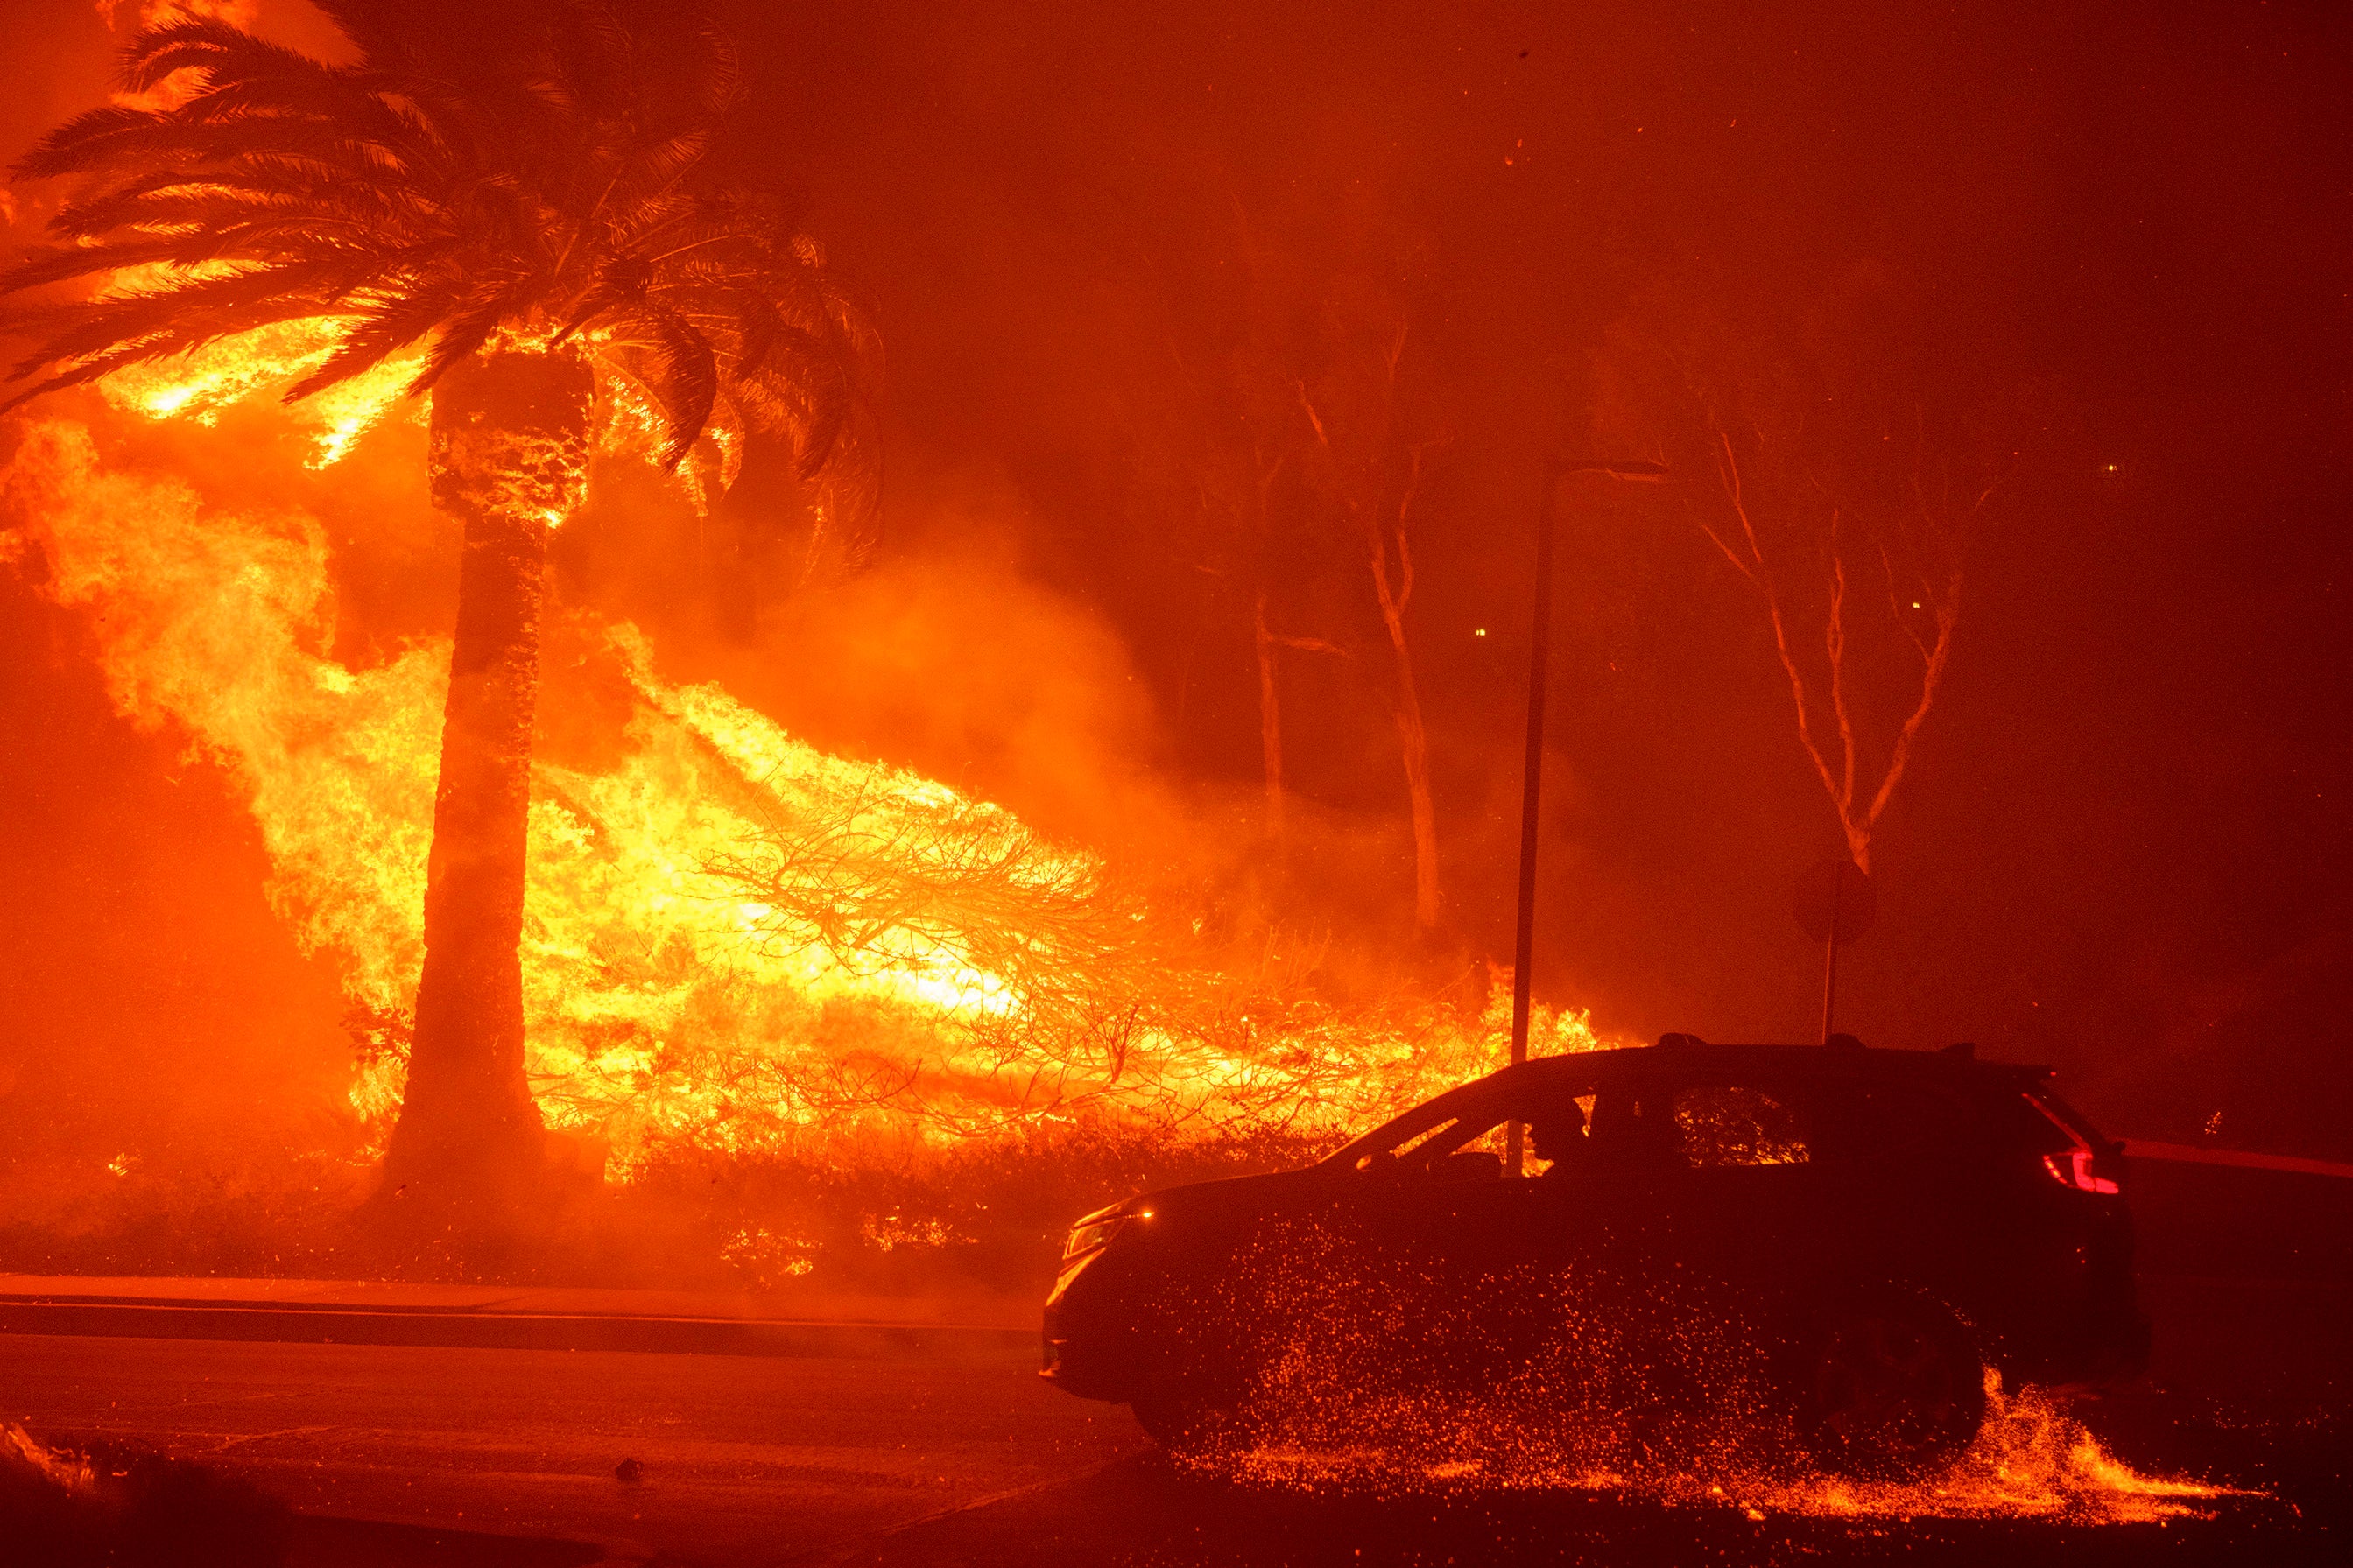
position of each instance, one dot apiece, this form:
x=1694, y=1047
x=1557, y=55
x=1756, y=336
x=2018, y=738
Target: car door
x=1520, y=1259
x=1575, y=1237
x=1377, y=1283
x=1731, y=1197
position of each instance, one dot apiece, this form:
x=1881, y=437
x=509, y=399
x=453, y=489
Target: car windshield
x=1474, y=1119
x=1431, y=1130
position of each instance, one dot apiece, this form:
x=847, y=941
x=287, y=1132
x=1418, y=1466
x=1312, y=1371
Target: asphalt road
x=748, y=1461
x=742, y=1460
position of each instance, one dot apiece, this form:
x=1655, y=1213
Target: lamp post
x=1532, y=776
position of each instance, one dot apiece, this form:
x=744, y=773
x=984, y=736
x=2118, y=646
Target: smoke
x=2129, y=725
x=736, y=939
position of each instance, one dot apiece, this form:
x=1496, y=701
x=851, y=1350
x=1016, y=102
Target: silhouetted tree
x=519, y=189
x=1829, y=464
x=1296, y=466
x=1369, y=464
x=1232, y=443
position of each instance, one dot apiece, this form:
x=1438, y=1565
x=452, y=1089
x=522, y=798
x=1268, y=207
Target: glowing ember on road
x=2032, y=1459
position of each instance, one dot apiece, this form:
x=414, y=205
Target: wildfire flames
x=735, y=940
x=732, y=937
x=200, y=385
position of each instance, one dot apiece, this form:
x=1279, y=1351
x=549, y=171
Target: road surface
x=742, y=1460
x=757, y=1460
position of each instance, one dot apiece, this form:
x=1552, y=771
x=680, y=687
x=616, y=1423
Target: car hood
x=1231, y=1195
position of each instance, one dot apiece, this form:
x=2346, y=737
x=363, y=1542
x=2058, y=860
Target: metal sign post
x=1830, y=951
x=1523, y=946
x=1836, y=904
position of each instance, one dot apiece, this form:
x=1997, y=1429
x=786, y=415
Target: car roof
x=1682, y=1055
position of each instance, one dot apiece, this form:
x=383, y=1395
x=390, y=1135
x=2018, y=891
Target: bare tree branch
x=1728, y=471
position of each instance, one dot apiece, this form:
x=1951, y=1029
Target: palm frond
x=194, y=309
x=222, y=51
x=678, y=366
x=83, y=141
x=469, y=326
x=720, y=83
x=376, y=335
x=88, y=371
x=629, y=229
x=54, y=263
x=544, y=163
x=602, y=47
x=660, y=164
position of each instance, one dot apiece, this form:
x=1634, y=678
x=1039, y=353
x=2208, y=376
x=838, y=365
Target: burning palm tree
x=525, y=205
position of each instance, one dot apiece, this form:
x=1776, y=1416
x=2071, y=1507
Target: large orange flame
x=735, y=939
x=732, y=937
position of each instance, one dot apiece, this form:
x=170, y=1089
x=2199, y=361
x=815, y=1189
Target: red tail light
x=2079, y=1164
x=2074, y=1169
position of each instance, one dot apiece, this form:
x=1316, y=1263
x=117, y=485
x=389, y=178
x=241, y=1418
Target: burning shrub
x=274, y=1211
x=732, y=938
x=736, y=946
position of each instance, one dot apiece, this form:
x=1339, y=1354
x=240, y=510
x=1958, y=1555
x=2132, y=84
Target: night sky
x=2121, y=846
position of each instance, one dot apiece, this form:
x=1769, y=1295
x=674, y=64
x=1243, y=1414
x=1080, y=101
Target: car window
x=1559, y=1135
x=1428, y=1122
x=1555, y=1121
x=1867, y=1123
x=2067, y=1127
x=1423, y=1139
x=1734, y=1124
x=1420, y=1143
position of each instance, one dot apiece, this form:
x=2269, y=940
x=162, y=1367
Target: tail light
x=2077, y=1163
x=2078, y=1168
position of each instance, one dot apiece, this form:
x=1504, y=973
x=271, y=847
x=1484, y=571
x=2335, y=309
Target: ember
x=2033, y=1459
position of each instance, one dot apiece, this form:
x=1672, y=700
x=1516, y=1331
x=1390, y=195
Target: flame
x=735, y=940
x=732, y=938
x=199, y=385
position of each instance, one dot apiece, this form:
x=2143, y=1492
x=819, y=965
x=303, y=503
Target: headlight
x=1096, y=1230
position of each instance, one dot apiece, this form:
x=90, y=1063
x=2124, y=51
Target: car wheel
x=1183, y=1416
x=1891, y=1388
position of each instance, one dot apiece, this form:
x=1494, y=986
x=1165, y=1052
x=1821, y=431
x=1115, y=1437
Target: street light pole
x=1532, y=770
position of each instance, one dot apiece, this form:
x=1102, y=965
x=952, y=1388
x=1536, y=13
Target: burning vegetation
x=837, y=1013
x=702, y=938
x=732, y=942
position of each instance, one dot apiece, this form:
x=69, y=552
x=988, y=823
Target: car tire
x=1183, y=1415
x=1889, y=1387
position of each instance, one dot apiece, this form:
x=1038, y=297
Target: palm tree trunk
x=510, y=459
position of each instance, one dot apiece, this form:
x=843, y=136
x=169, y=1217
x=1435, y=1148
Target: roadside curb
x=315, y=1323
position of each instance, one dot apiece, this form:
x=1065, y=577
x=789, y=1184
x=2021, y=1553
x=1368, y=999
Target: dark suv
x=1859, y=1233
